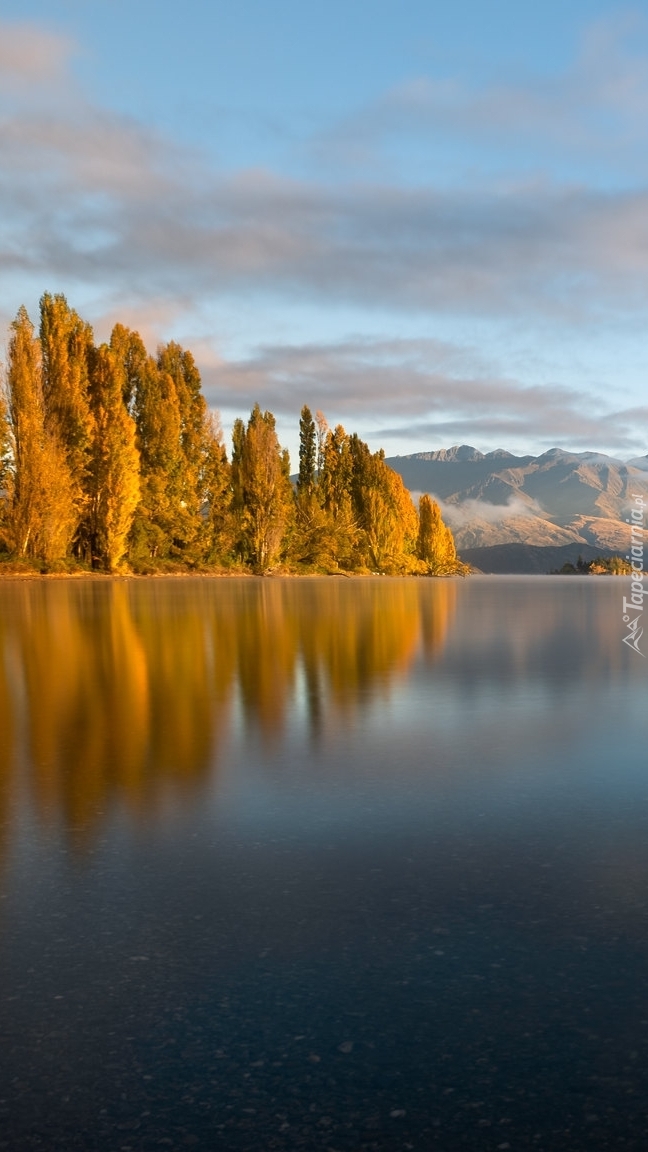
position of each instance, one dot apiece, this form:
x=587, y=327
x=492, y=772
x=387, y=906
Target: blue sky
x=428, y=220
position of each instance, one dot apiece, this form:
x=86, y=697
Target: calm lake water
x=322, y=864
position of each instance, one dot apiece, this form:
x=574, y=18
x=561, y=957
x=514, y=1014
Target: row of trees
x=600, y=566
x=110, y=457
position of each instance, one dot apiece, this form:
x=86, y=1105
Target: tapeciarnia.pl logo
x=633, y=608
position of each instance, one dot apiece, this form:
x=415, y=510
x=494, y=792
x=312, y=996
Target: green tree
x=307, y=453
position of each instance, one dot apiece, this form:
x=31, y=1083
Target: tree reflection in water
x=121, y=691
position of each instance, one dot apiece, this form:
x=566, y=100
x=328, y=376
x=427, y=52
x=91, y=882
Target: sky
x=428, y=220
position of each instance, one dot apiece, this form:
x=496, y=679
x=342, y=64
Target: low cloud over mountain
x=555, y=499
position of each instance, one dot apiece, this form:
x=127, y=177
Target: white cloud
x=466, y=512
x=98, y=204
x=31, y=55
x=432, y=391
x=597, y=107
x=90, y=198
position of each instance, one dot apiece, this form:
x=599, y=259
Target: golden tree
x=114, y=469
x=435, y=545
x=41, y=513
x=194, y=446
x=5, y=466
x=383, y=509
x=216, y=489
x=262, y=489
x=66, y=347
x=151, y=397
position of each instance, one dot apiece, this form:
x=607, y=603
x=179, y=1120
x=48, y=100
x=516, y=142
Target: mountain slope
x=552, y=500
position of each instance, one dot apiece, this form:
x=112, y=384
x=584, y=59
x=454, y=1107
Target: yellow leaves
x=108, y=453
x=321, y=540
x=265, y=492
x=66, y=343
x=115, y=463
x=57, y=502
x=5, y=479
x=335, y=466
x=216, y=492
x=365, y=507
x=174, y=437
x=435, y=545
x=384, y=510
x=42, y=516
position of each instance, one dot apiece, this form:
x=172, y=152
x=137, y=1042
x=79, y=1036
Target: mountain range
x=550, y=501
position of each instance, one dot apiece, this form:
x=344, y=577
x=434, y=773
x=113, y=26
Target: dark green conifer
x=307, y=453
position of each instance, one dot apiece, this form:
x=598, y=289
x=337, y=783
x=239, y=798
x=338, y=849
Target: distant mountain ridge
x=462, y=452
x=552, y=500
x=528, y=559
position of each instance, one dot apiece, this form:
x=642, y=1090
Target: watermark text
x=633, y=604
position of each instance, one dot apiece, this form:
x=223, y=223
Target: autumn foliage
x=110, y=459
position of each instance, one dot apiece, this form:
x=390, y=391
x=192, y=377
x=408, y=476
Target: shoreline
x=103, y=576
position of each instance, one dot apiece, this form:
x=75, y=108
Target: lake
x=322, y=864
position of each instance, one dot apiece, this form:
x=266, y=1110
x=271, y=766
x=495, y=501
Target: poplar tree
x=184, y=507
x=435, y=544
x=262, y=487
x=219, y=528
x=384, y=509
x=181, y=366
x=144, y=398
x=66, y=346
x=326, y=534
x=157, y=416
x=114, y=467
x=311, y=541
x=213, y=491
x=41, y=513
x=5, y=460
x=131, y=355
x=322, y=430
x=336, y=470
x=238, y=450
x=190, y=495
x=113, y=453
x=307, y=453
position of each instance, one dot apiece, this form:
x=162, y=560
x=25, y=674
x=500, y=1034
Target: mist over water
x=349, y=864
